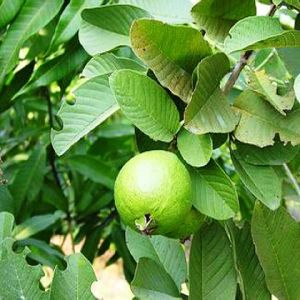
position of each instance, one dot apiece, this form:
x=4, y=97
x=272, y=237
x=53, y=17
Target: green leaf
x=36, y=224
x=146, y=104
x=290, y=58
x=169, y=11
x=70, y=19
x=152, y=282
x=33, y=16
x=7, y=201
x=263, y=32
x=260, y=122
x=94, y=169
x=211, y=265
x=195, y=149
x=277, y=240
x=262, y=181
x=18, y=280
x=8, y=10
x=107, y=63
x=55, y=69
x=214, y=194
x=209, y=109
x=260, y=82
x=294, y=3
x=160, y=46
x=94, y=104
x=297, y=87
x=29, y=178
x=275, y=155
x=107, y=27
x=7, y=222
x=216, y=17
x=164, y=251
x=251, y=276
x=75, y=281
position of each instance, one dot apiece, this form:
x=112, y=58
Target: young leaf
x=260, y=122
x=275, y=155
x=165, y=251
x=159, y=45
x=18, y=280
x=216, y=17
x=69, y=21
x=260, y=82
x=263, y=32
x=8, y=10
x=33, y=16
x=211, y=265
x=29, y=178
x=209, y=110
x=111, y=23
x=251, y=276
x=214, y=194
x=152, y=282
x=277, y=240
x=75, y=281
x=146, y=104
x=195, y=149
x=94, y=104
x=262, y=181
x=7, y=222
x=107, y=63
x=36, y=224
x=169, y=11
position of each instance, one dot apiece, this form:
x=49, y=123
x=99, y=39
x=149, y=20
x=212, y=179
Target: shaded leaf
x=209, y=110
x=165, y=251
x=107, y=27
x=260, y=122
x=8, y=10
x=152, y=282
x=69, y=21
x=36, y=224
x=146, y=104
x=33, y=16
x=214, y=194
x=107, y=63
x=7, y=201
x=290, y=58
x=216, y=17
x=94, y=169
x=211, y=265
x=277, y=240
x=262, y=181
x=94, y=104
x=75, y=281
x=159, y=45
x=195, y=149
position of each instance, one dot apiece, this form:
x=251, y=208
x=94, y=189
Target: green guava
x=191, y=223
x=153, y=192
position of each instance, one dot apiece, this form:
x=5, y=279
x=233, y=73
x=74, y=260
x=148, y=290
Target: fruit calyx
x=146, y=225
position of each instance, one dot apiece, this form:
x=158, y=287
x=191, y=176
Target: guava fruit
x=153, y=192
x=191, y=223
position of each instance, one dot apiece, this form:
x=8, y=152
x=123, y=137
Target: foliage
x=85, y=85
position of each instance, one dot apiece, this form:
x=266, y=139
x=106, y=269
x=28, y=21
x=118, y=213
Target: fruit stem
x=145, y=224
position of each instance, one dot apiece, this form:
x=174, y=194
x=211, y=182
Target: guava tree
x=196, y=103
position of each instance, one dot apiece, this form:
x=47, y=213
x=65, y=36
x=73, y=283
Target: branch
x=243, y=62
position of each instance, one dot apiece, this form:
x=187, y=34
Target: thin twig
x=243, y=62
x=292, y=178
